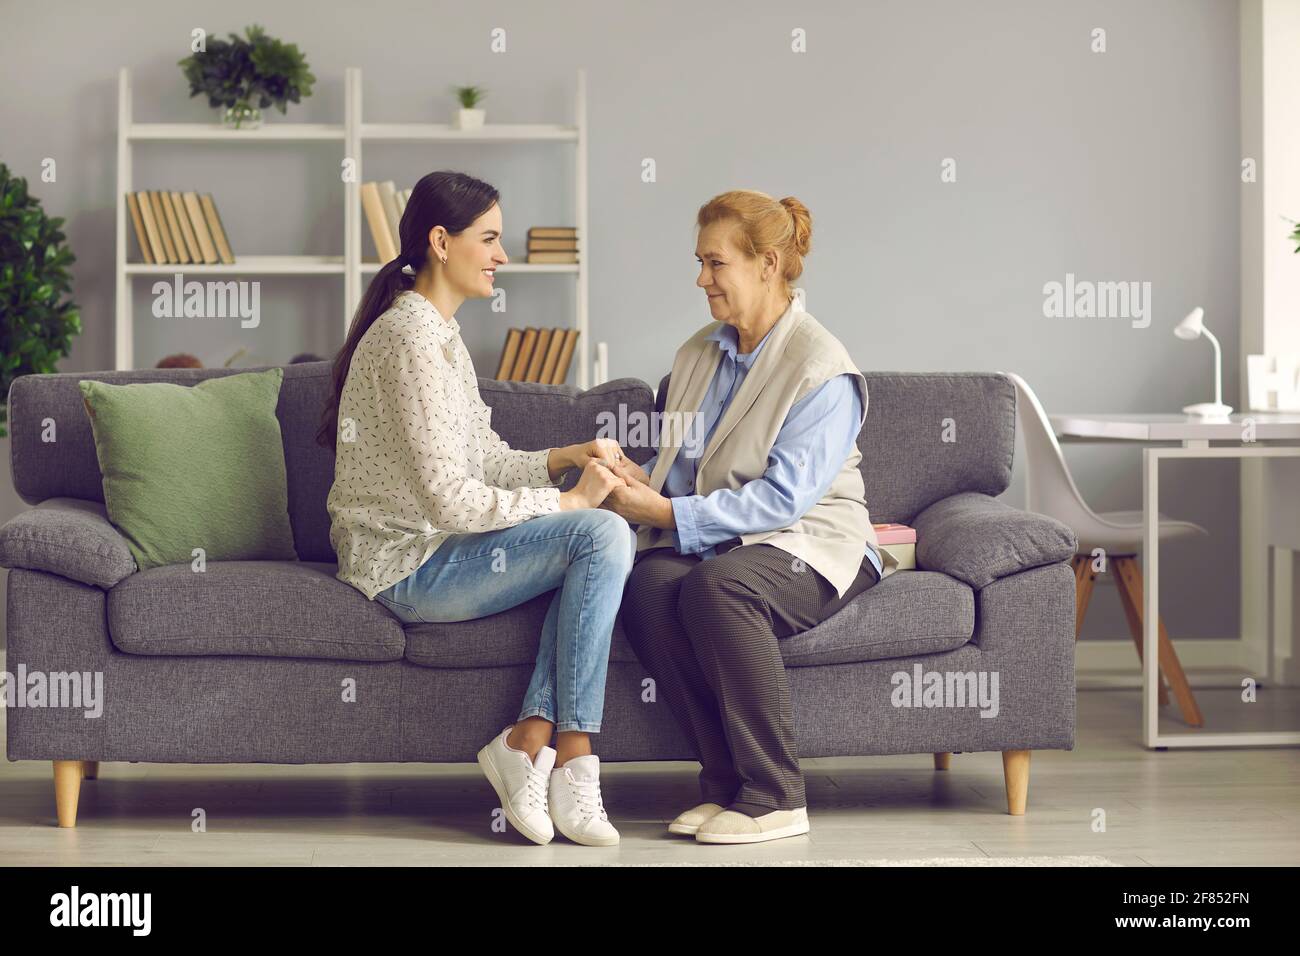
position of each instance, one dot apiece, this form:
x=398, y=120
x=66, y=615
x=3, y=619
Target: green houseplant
x=37, y=321
x=469, y=116
x=234, y=73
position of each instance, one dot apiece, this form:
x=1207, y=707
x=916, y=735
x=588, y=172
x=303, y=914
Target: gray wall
x=1114, y=166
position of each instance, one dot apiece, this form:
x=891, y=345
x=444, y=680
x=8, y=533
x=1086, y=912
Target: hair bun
x=802, y=224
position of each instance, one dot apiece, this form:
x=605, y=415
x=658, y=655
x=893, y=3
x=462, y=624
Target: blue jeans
x=587, y=554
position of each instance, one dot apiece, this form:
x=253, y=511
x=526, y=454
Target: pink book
x=895, y=534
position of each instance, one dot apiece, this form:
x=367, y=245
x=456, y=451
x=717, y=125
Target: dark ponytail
x=448, y=199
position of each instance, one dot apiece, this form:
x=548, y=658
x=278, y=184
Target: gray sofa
x=247, y=662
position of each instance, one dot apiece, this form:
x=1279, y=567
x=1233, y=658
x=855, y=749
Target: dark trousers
x=707, y=632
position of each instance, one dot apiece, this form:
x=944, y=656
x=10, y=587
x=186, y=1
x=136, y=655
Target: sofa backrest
x=526, y=415
x=929, y=435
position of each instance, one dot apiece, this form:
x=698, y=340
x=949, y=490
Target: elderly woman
x=753, y=527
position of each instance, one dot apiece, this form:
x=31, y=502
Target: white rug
x=931, y=861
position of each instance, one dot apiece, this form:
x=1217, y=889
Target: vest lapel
x=758, y=377
x=686, y=391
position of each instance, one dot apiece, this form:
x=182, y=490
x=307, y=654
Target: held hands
x=636, y=501
x=598, y=449
x=594, y=486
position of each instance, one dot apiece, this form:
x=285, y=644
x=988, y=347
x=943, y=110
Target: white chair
x=1051, y=491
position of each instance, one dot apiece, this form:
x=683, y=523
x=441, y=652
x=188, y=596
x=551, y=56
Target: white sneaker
x=576, y=805
x=521, y=786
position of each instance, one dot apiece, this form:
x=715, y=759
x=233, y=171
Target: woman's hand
x=595, y=485
x=630, y=471
x=561, y=460
x=641, y=504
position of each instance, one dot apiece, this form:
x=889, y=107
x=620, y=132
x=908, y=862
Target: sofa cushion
x=69, y=537
x=978, y=539
x=253, y=608
x=194, y=467
x=908, y=613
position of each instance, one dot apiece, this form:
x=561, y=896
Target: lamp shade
x=1192, y=326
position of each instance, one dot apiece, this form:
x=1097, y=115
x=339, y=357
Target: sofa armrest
x=977, y=539
x=69, y=537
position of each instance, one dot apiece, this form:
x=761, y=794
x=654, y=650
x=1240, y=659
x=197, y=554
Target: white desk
x=1264, y=435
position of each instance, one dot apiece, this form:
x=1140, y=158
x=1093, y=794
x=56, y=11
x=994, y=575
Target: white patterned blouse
x=417, y=459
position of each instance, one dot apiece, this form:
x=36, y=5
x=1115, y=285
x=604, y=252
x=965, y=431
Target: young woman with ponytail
x=437, y=518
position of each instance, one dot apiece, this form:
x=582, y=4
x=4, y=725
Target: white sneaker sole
x=494, y=778
x=584, y=840
x=685, y=829
x=797, y=828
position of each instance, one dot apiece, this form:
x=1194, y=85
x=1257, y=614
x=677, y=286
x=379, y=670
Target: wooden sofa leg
x=90, y=769
x=941, y=761
x=67, y=788
x=1015, y=767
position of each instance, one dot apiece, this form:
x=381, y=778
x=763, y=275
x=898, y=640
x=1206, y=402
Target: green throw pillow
x=190, y=467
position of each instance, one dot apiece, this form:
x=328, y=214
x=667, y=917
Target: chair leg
x=1015, y=767
x=67, y=788
x=1084, y=576
x=1133, y=614
x=1129, y=576
x=941, y=761
x=90, y=769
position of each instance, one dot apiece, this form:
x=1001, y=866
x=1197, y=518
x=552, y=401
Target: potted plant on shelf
x=37, y=321
x=255, y=67
x=469, y=116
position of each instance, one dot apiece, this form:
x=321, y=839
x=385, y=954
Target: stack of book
x=383, y=204
x=178, y=228
x=900, y=541
x=553, y=244
x=537, y=355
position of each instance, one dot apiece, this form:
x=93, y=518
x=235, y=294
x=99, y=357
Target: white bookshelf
x=352, y=135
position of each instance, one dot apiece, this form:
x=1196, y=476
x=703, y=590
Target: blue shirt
x=818, y=433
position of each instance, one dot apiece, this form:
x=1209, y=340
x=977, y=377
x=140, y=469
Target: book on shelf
x=553, y=232
x=508, y=353
x=174, y=228
x=194, y=209
x=553, y=245
x=392, y=212
x=160, y=217
x=187, y=231
x=137, y=220
x=534, y=371
x=553, y=258
x=525, y=355
x=537, y=355
x=377, y=220
x=214, y=226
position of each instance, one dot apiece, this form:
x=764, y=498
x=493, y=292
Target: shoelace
x=587, y=795
x=537, y=783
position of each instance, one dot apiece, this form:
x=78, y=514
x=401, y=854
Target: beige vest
x=799, y=355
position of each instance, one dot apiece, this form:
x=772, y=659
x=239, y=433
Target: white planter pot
x=469, y=119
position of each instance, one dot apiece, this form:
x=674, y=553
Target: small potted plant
x=237, y=72
x=37, y=319
x=469, y=116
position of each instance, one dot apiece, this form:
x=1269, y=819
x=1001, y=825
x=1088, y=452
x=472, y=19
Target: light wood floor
x=1219, y=807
